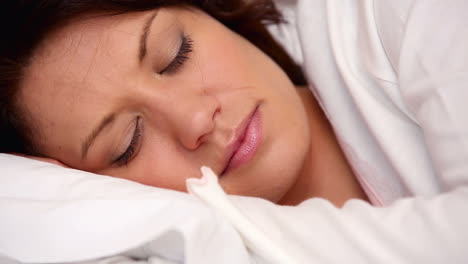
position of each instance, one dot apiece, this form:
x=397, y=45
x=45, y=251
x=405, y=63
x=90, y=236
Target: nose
x=191, y=117
x=196, y=121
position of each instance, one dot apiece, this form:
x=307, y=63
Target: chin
x=284, y=174
x=280, y=184
x=270, y=181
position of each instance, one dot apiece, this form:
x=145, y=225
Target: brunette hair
x=25, y=23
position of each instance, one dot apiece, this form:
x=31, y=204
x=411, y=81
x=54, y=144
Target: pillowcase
x=53, y=214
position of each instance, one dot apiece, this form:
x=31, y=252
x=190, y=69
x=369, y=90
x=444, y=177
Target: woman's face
x=153, y=96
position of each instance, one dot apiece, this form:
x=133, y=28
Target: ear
x=49, y=160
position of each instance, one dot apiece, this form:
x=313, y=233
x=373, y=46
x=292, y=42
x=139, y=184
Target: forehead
x=73, y=51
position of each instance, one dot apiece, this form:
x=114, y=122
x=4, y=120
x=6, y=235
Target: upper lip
x=236, y=141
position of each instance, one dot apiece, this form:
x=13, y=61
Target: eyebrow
x=106, y=121
x=144, y=36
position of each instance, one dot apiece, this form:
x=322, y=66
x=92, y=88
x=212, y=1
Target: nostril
x=217, y=111
x=199, y=141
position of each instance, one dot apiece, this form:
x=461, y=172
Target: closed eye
x=186, y=47
x=132, y=148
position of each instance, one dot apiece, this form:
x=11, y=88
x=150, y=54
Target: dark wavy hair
x=25, y=23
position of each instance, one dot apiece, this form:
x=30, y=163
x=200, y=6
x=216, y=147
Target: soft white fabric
x=50, y=214
x=391, y=76
x=364, y=94
x=392, y=79
x=56, y=215
x=416, y=230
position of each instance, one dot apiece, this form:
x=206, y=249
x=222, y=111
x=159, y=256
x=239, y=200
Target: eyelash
x=186, y=47
x=127, y=156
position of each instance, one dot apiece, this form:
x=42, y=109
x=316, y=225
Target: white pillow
x=54, y=214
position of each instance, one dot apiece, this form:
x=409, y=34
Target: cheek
x=236, y=63
x=224, y=57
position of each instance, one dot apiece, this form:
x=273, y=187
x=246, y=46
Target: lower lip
x=250, y=143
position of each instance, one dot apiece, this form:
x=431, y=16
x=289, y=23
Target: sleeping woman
x=151, y=90
x=151, y=96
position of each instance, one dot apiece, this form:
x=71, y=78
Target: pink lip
x=246, y=142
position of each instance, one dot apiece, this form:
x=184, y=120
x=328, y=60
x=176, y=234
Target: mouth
x=248, y=137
